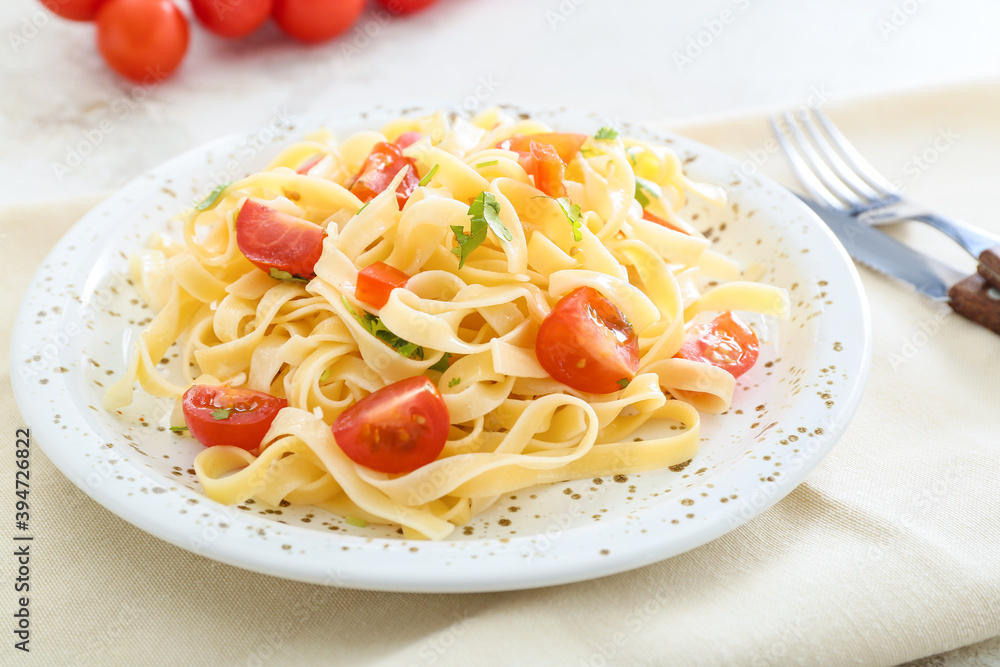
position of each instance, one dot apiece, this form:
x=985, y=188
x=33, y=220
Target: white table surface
x=635, y=59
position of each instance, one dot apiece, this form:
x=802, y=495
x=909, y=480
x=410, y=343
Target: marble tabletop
x=69, y=126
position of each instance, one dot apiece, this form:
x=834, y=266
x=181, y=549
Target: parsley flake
x=453, y=382
x=285, y=275
x=213, y=196
x=326, y=375
x=488, y=163
x=572, y=213
x=355, y=521
x=429, y=175
x=606, y=134
x=485, y=214
x=363, y=207
x=221, y=413
x=178, y=429
x=442, y=364
x=624, y=382
x=373, y=325
x=644, y=187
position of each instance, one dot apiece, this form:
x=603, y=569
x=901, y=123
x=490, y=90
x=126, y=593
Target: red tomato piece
x=309, y=164
x=143, y=40
x=275, y=240
x=314, y=21
x=406, y=6
x=74, y=10
x=376, y=281
x=646, y=215
x=566, y=144
x=726, y=342
x=408, y=139
x=586, y=342
x=229, y=416
x=549, y=170
x=232, y=18
x=380, y=167
x=395, y=429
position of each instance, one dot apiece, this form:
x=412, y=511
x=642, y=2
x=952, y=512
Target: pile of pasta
x=512, y=425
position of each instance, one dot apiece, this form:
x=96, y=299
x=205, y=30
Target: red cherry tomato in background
x=314, y=21
x=406, y=6
x=408, y=138
x=271, y=239
x=74, y=10
x=232, y=18
x=585, y=342
x=228, y=416
x=143, y=40
x=395, y=429
x=380, y=167
x=376, y=282
x=726, y=342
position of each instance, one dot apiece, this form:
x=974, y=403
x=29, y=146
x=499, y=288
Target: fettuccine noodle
x=512, y=425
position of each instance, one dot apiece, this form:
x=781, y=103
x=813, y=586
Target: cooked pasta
x=468, y=316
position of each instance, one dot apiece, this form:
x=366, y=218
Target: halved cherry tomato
x=380, y=167
x=229, y=416
x=408, y=138
x=143, y=40
x=74, y=10
x=646, y=215
x=726, y=342
x=376, y=281
x=275, y=240
x=586, y=343
x=313, y=21
x=395, y=429
x=406, y=6
x=566, y=144
x=232, y=18
x=549, y=170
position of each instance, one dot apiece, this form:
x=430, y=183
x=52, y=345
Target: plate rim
x=556, y=570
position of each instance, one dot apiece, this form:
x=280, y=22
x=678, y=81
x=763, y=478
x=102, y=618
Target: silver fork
x=833, y=172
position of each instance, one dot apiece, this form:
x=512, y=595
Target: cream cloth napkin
x=889, y=551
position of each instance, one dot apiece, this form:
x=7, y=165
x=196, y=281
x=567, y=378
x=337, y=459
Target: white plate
x=78, y=321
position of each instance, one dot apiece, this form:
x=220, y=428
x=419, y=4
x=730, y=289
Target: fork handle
x=989, y=266
x=974, y=240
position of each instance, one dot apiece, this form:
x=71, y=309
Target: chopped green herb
x=441, y=365
x=454, y=381
x=373, y=325
x=355, y=521
x=285, y=275
x=326, y=375
x=178, y=429
x=645, y=187
x=606, y=133
x=488, y=163
x=572, y=213
x=588, y=152
x=213, y=196
x=624, y=382
x=221, y=413
x=363, y=207
x=485, y=213
x=429, y=175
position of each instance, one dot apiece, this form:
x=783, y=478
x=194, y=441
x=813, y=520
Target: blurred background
x=70, y=125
